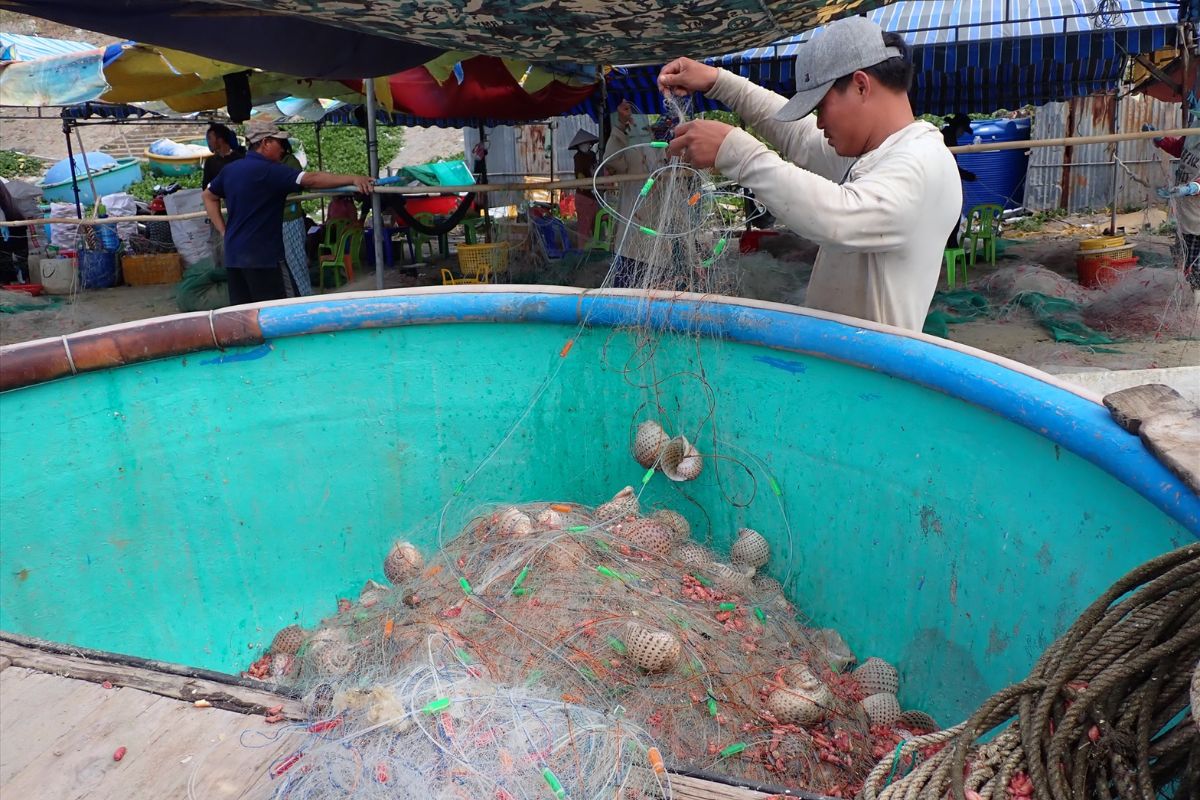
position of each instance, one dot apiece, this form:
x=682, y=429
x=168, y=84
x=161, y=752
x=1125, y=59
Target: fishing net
x=581, y=650
x=1145, y=302
x=561, y=637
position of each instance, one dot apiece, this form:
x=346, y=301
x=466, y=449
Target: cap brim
x=802, y=104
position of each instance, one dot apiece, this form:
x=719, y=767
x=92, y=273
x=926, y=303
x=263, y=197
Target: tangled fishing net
x=1109, y=710
x=596, y=643
x=1145, y=302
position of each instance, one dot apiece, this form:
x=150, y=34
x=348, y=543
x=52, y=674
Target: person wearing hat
x=255, y=189
x=876, y=189
x=585, y=169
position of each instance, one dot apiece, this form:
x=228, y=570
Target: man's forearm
x=326, y=180
x=212, y=205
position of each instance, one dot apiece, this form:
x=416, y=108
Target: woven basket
x=482, y=260
x=150, y=269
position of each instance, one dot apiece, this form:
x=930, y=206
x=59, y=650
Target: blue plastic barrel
x=97, y=269
x=1000, y=173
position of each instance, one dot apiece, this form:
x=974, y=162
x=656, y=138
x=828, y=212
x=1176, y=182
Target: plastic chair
x=983, y=224
x=332, y=232
x=953, y=256
x=473, y=227
x=448, y=279
x=602, y=231
x=555, y=238
x=419, y=239
x=337, y=259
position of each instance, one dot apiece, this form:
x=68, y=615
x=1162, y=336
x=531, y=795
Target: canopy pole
x=483, y=179
x=320, y=163
x=605, y=128
x=377, y=228
x=71, y=161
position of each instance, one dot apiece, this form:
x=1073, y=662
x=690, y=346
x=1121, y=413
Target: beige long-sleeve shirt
x=881, y=220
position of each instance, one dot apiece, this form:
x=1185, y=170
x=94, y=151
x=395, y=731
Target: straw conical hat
x=581, y=138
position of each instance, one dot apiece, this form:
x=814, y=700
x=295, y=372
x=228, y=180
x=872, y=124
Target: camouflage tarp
x=579, y=31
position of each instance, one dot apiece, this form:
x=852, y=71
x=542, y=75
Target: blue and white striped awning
x=975, y=56
x=19, y=47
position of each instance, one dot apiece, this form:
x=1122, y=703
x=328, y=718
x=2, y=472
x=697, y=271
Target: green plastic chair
x=983, y=225
x=954, y=255
x=602, y=232
x=421, y=239
x=337, y=259
x=473, y=228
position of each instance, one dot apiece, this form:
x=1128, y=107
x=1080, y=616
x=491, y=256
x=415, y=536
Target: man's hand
x=698, y=141
x=212, y=206
x=683, y=76
x=363, y=183
x=1182, y=190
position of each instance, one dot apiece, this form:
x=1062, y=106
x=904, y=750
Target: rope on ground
x=1101, y=715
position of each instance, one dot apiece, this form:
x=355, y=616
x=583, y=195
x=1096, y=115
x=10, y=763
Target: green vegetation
x=144, y=189
x=344, y=147
x=16, y=165
x=1037, y=221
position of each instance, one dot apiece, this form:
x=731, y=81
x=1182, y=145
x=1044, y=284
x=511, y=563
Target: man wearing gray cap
x=875, y=188
x=255, y=189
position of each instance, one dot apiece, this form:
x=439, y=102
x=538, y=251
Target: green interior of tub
x=186, y=509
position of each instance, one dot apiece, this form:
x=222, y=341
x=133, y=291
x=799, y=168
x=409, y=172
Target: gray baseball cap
x=842, y=48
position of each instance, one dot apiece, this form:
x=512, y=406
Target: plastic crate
x=150, y=269
x=482, y=260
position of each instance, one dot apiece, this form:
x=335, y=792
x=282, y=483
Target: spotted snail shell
x=882, y=708
x=876, y=675
x=649, y=535
x=680, y=461
x=678, y=523
x=691, y=554
x=402, y=563
x=514, y=522
x=288, y=640
x=623, y=504
x=652, y=650
x=648, y=443
x=750, y=549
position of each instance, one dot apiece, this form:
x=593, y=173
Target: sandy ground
x=424, y=145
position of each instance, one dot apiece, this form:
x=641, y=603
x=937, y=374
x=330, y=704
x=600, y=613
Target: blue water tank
x=62, y=170
x=1000, y=173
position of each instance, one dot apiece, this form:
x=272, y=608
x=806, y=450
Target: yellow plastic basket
x=481, y=261
x=1102, y=243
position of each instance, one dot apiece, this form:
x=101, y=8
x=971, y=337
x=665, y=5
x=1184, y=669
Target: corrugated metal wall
x=1082, y=179
x=511, y=152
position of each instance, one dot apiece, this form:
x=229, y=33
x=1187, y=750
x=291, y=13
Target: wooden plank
x=1166, y=422
x=684, y=787
x=196, y=752
x=1129, y=407
x=1175, y=439
x=36, y=708
x=233, y=698
x=76, y=762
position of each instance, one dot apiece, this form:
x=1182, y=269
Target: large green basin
x=949, y=511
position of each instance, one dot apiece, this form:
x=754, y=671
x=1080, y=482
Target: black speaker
x=237, y=96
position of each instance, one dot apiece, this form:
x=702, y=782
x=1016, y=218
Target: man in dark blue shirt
x=255, y=189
